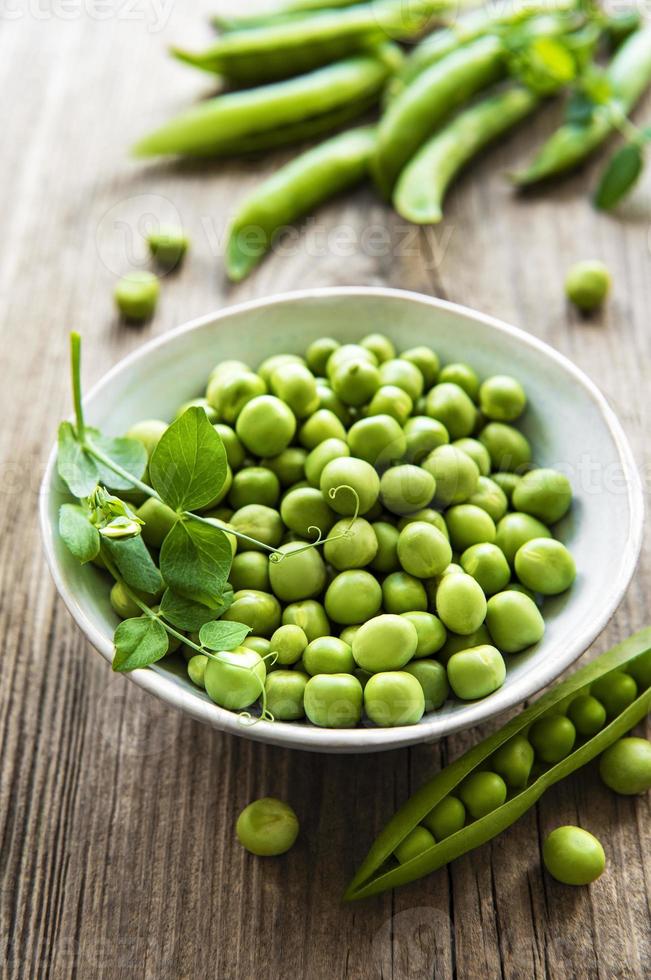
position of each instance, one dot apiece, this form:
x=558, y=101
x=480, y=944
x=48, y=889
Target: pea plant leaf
x=135, y=564
x=221, y=635
x=184, y=613
x=195, y=561
x=78, y=471
x=78, y=534
x=188, y=468
x=130, y=454
x=139, y=643
x=620, y=176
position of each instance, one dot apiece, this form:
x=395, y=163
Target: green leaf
x=135, y=564
x=188, y=468
x=222, y=635
x=184, y=613
x=620, y=176
x=130, y=454
x=139, y=643
x=78, y=534
x=75, y=467
x=195, y=561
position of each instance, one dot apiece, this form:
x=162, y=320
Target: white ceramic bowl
x=569, y=422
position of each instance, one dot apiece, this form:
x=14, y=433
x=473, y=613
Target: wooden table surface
x=117, y=849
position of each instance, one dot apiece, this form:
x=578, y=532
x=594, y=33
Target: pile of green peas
x=436, y=529
x=572, y=855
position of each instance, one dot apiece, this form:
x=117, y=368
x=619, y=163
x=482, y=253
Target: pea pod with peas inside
x=294, y=190
x=497, y=781
x=222, y=125
x=629, y=75
x=301, y=44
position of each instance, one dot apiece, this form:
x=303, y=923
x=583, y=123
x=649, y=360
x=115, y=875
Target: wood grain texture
x=117, y=856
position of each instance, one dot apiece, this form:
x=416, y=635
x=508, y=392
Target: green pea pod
x=282, y=10
x=420, y=190
x=276, y=51
x=629, y=74
x=474, y=25
x=420, y=109
x=216, y=125
x=377, y=873
x=293, y=191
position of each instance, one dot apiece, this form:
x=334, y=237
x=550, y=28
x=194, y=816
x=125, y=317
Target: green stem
x=75, y=363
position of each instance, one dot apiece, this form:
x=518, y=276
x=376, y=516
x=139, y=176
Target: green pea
x=310, y=616
x=514, y=621
x=235, y=679
x=234, y=448
x=159, y=520
x=427, y=362
x=304, y=509
x=447, y=818
x=477, y=452
x=386, y=557
x=295, y=385
x=385, y=643
x=329, y=402
x=640, y=670
x=545, y=565
x=321, y=455
x=587, y=285
x=334, y=700
x=289, y=644
x=415, y=843
x=228, y=367
x=229, y=393
x=433, y=679
x=516, y=529
x=254, y=485
x=258, y=522
x=553, y=738
x=276, y=361
x=380, y=346
x=455, y=642
x=353, y=597
x=262, y=646
x=323, y=425
x=136, y=295
x=355, y=381
x=405, y=489
x=545, y=494
x=468, y=525
x=391, y=400
x=455, y=473
x=198, y=403
x=573, y=856
x=403, y=593
x=507, y=482
x=197, y=670
x=587, y=715
x=423, y=551
x=423, y=435
x=351, y=544
x=488, y=566
x=625, y=767
x=476, y=672
x=463, y=376
x=349, y=633
x=502, y=398
x=288, y=466
x=482, y=792
x=122, y=603
x=349, y=352
x=431, y=632
x=266, y=425
x=319, y=353
x=267, y=827
x=259, y=610
x=301, y=575
x=378, y=439
x=450, y=405
x=514, y=761
x=491, y=498
x=403, y=374
x=168, y=246
x=285, y=690
x=460, y=604
x=394, y=698
x=615, y=691
x=250, y=570
x=356, y=474
x=328, y=655
x=148, y=432
x=508, y=448
x=427, y=515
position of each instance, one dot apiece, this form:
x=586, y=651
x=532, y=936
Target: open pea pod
x=381, y=871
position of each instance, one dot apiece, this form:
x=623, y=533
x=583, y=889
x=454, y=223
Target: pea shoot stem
x=75, y=363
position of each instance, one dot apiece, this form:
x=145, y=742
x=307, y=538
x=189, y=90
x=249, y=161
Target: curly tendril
x=279, y=556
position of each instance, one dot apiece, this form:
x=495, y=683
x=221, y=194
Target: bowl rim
x=366, y=739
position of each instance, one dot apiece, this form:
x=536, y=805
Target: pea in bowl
x=567, y=422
